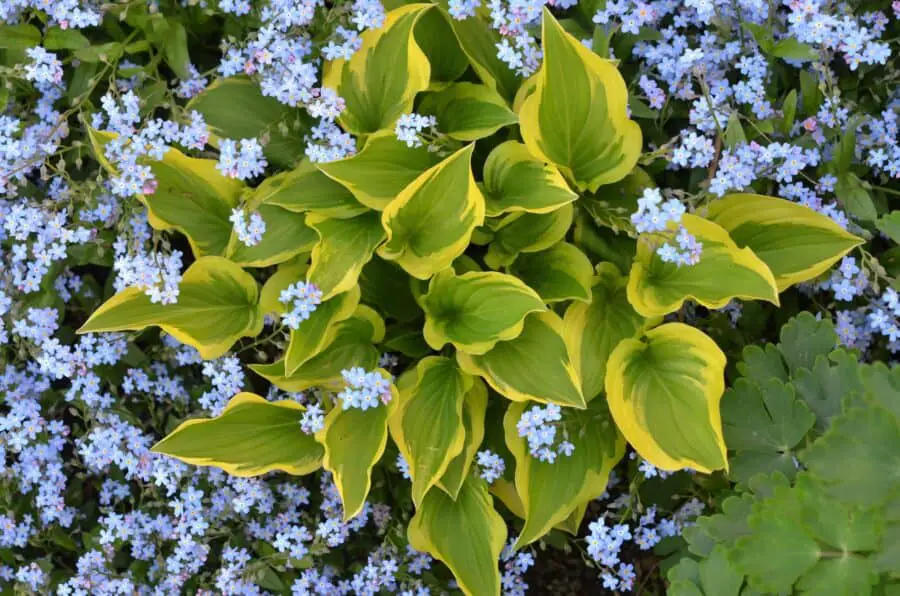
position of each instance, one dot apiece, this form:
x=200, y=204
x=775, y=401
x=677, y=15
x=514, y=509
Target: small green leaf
x=889, y=225
x=855, y=198
x=791, y=49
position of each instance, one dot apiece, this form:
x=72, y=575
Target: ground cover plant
x=467, y=297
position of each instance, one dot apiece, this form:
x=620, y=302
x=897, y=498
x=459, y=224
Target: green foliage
x=815, y=510
x=501, y=265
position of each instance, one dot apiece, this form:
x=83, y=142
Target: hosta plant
x=480, y=233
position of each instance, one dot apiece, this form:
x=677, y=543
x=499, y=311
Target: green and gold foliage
x=476, y=260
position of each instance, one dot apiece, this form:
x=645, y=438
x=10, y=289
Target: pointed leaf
x=534, y=366
x=351, y=346
x=427, y=425
x=663, y=391
x=797, y=243
x=475, y=310
x=724, y=272
x=250, y=437
x=474, y=407
x=217, y=305
x=384, y=167
x=431, y=221
x=436, y=38
x=354, y=441
x=577, y=115
x=516, y=180
x=466, y=534
x=551, y=492
x=382, y=78
x=344, y=247
x=319, y=330
x=593, y=330
x=306, y=189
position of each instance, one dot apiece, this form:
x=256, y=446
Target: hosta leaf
x=430, y=222
x=306, y=189
x=384, y=167
x=467, y=111
x=235, y=108
x=354, y=441
x=344, y=247
x=352, y=346
x=858, y=457
x=479, y=42
x=663, y=391
x=562, y=272
x=466, y=534
x=527, y=232
x=316, y=332
x=593, y=330
x=724, y=272
x=535, y=366
x=250, y=437
x=551, y=492
x=576, y=117
x=797, y=243
x=286, y=236
x=217, y=305
x=516, y=180
x=191, y=196
x=475, y=310
x=436, y=38
x=763, y=423
x=474, y=407
x=428, y=423
x=382, y=78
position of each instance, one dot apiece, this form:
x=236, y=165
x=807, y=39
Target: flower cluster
x=363, y=389
x=302, y=297
x=242, y=160
x=410, y=126
x=539, y=426
x=250, y=234
x=655, y=216
x=491, y=465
